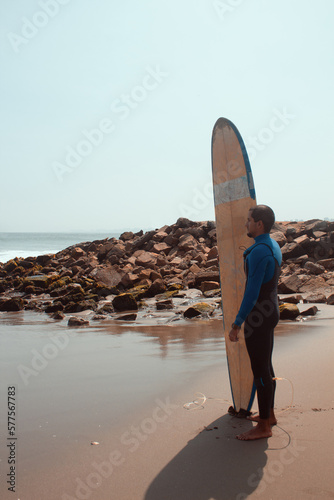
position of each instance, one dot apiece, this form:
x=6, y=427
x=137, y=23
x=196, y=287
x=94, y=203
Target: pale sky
x=108, y=108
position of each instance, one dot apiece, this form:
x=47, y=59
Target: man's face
x=253, y=228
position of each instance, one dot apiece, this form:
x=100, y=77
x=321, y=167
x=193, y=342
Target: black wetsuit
x=261, y=321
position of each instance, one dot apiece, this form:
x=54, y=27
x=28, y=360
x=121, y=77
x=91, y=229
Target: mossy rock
x=174, y=286
x=167, y=295
x=10, y=266
x=86, y=283
x=60, y=283
x=288, y=311
x=36, y=269
x=41, y=280
x=55, y=307
x=18, y=271
x=199, y=309
x=138, y=292
x=85, y=305
x=125, y=302
x=14, y=304
x=92, y=296
x=103, y=291
x=18, y=283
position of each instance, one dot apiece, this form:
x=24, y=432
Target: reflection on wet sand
x=190, y=334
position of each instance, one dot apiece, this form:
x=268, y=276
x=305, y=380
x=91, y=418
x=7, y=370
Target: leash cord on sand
x=200, y=399
x=199, y=402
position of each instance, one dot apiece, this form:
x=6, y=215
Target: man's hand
x=233, y=335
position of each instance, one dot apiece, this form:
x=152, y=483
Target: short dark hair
x=265, y=214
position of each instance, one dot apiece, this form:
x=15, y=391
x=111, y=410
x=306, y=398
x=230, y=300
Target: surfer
x=260, y=314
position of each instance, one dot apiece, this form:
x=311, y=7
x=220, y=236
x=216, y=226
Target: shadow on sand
x=213, y=465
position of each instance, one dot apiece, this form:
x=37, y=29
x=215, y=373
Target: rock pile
x=308, y=259
x=117, y=275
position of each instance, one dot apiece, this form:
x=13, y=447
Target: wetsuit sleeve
x=257, y=265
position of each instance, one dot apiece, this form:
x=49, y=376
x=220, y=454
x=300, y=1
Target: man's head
x=260, y=220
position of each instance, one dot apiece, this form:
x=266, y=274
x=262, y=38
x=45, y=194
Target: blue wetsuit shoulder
x=260, y=263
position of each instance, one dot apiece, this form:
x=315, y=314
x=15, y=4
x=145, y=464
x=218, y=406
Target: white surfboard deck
x=234, y=195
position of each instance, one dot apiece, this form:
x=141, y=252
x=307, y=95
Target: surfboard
x=234, y=195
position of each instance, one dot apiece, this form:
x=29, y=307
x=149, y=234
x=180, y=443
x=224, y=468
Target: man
x=259, y=311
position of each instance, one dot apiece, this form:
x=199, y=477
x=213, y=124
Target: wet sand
x=131, y=390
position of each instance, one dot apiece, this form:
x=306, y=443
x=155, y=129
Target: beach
x=153, y=400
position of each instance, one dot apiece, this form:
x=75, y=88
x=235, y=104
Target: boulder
x=330, y=300
x=40, y=280
x=290, y=250
x=116, y=252
x=184, y=223
x=108, y=275
x=211, y=262
x=158, y=286
x=77, y=321
x=58, y=316
x=55, y=307
x=142, y=240
x=187, y=242
x=163, y=305
x=155, y=276
x=194, y=268
x=160, y=235
x=303, y=240
x=288, y=311
x=44, y=259
x=126, y=236
x=327, y=264
x=85, y=305
x=311, y=311
x=99, y=317
x=315, y=298
x=279, y=237
x=213, y=253
x=206, y=286
x=171, y=240
x=294, y=299
x=126, y=317
x=314, y=268
x=209, y=275
x=290, y=284
x=77, y=253
x=13, y=304
x=199, y=309
x=146, y=259
x=125, y=302
x=161, y=247
x=314, y=283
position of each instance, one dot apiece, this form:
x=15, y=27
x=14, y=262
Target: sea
x=34, y=244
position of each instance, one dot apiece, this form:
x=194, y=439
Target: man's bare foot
x=272, y=418
x=261, y=430
x=256, y=418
